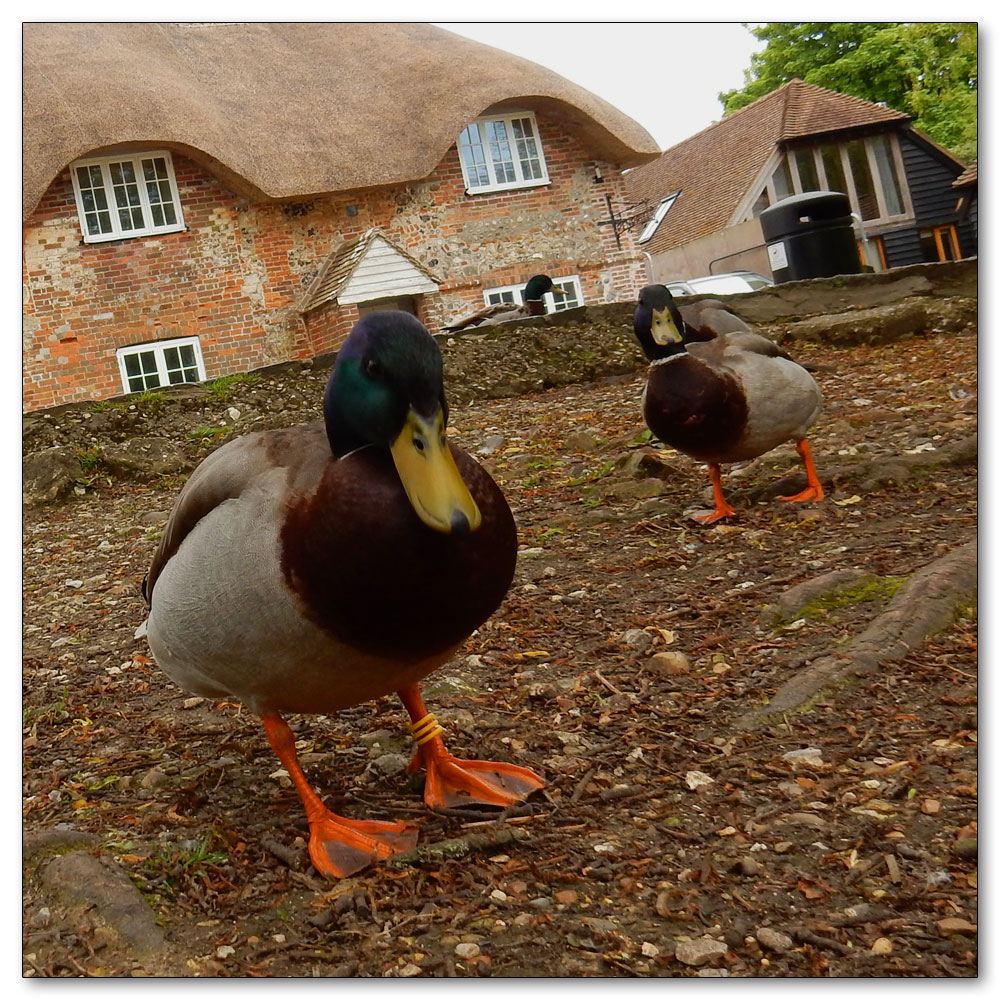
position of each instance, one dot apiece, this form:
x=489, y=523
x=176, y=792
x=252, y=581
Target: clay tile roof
x=289, y=110
x=714, y=169
x=968, y=177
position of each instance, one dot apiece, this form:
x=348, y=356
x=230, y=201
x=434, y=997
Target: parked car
x=730, y=283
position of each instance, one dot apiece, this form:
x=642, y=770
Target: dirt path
x=834, y=839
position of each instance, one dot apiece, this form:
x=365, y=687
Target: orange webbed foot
x=717, y=515
x=452, y=783
x=809, y=493
x=814, y=489
x=339, y=847
x=722, y=508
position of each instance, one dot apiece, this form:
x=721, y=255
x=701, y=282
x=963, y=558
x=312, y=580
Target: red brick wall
x=233, y=277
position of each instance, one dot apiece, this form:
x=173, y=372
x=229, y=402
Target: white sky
x=665, y=75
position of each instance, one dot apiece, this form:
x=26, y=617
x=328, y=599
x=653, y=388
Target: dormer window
x=122, y=196
x=501, y=153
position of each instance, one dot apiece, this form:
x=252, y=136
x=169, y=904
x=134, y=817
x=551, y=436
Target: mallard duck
x=707, y=319
x=317, y=567
x=727, y=399
x=505, y=312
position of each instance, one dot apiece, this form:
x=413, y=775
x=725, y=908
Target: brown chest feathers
x=369, y=572
x=691, y=407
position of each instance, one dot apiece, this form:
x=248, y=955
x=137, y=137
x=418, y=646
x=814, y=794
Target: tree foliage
x=926, y=69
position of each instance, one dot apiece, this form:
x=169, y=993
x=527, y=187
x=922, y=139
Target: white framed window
x=658, y=217
x=165, y=362
x=570, y=287
x=133, y=194
x=502, y=152
x=868, y=170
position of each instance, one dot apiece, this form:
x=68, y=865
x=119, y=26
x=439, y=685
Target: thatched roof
x=286, y=110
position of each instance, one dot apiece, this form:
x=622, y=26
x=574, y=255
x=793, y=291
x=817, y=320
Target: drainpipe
x=863, y=235
x=649, y=266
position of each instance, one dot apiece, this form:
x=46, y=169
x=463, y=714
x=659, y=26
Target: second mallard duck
x=506, y=312
x=727, y=399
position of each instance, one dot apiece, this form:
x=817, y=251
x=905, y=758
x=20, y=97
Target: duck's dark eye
x=373, y=369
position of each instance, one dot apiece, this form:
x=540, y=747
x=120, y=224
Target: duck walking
x=505, y=312
x=727, y=399
x=313, y=568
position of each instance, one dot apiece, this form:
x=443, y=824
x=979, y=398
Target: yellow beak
x=664, y=329
x=431, y=478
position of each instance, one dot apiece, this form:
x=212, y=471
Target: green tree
x=927, y=69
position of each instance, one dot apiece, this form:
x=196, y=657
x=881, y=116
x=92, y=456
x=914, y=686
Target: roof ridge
x=786, y=91
x=727, y=118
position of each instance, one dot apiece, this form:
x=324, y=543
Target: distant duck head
x=537, y=286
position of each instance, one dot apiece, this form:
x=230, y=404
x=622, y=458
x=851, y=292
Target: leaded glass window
x=499, y=152
x=124, y=196
x=166, y=362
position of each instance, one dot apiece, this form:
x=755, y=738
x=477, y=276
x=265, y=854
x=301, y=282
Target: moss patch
x=222, y=388
x=879, y=588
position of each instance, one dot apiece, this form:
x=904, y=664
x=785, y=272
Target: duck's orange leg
x=722, y=509
x=452, y=782
x=814, y=489
x=337, y=846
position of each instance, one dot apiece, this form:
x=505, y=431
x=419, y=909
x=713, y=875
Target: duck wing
x=227, y=473
x=487, y=314
x=725, y=348
x=782, y=399
x=709, y=318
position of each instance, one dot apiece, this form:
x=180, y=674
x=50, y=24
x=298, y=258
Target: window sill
x=875, y=227
x=501, y=188
x=125, y=237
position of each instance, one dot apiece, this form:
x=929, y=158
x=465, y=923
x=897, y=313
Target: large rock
x=48, y=475
x=883, y=324
x=100, y=891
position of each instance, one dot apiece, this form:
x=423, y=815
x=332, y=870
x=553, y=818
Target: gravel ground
x=835, y=840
